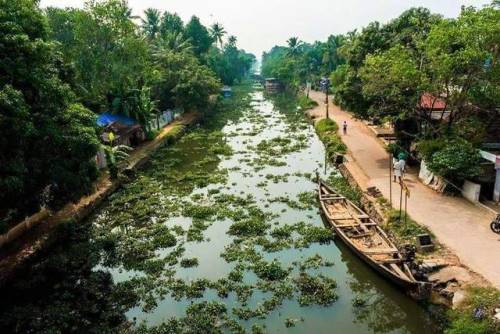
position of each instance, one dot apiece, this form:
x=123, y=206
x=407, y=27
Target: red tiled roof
x=429, y=101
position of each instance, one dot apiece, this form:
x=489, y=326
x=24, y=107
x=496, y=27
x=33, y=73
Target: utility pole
x=390, y=179
x=325, y=85
x=400, y=200
x=326, y=92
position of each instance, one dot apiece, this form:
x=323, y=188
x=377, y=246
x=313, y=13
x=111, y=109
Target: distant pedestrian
x=394, y=162
x=344, y=127
x=402, y=165
x=398, y=171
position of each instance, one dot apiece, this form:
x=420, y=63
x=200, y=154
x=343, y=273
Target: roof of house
x=429, y=101
x=107, y=118
x=119, y=130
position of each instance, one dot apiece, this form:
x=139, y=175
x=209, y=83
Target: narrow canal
x=220, y=231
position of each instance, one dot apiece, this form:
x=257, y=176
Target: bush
x=404, y=232
x=306, y=103
x=175, y=133
x=343, y=187
x=456, y=160
x=427, y=148
x=327, y=133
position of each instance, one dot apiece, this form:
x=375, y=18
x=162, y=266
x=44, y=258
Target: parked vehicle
x=495, y=224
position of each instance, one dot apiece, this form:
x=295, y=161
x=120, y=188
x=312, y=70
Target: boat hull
x=405, y=282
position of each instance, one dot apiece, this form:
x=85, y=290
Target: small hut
x=272, y=85
x=120, y=130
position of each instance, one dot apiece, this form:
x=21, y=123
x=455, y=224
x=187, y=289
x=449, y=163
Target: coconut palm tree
x=175, y=42
x=232, y=40
x=294, y=46
x=151, y=22
x=217, y=32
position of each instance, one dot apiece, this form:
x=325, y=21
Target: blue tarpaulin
x=107, y=118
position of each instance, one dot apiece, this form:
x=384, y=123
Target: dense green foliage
x=61, y=67
x=48, y=138
x=300, y=62
x=327, y=132
x=382, y=71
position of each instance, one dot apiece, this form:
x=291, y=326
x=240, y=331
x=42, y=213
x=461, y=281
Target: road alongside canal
x=457, y=223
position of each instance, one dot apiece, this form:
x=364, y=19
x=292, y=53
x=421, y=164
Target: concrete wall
x=471, y=191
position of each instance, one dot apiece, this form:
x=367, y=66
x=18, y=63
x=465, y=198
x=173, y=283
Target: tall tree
x=151, y=22
x=171, y=23
x=294, y=45
x=199, y=36
x=47, y=138
x=217, y=32
x=461, y=57
x=232, y=40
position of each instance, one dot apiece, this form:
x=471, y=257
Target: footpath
x=36, y=233
x=458, y=224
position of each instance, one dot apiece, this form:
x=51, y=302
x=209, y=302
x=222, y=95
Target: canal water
x=220, y=231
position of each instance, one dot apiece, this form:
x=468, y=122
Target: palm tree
x=151, y=22
x=173, y=42
x=115, y=154
x=217, y=31
x=232, y=40
x=294, y=46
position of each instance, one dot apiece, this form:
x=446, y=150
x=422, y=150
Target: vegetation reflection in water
x=222, y=228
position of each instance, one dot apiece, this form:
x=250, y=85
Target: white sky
x=261, y=24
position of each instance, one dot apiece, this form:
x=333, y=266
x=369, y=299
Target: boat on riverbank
x=365, y=238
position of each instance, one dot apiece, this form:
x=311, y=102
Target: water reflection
x=58, y=292
x=378, y=304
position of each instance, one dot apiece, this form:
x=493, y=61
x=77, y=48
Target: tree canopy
x=383, y=70
x=61, y=67
x=48, y=138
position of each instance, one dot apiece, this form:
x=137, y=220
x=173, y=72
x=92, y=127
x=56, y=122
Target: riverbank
x=26, y=238
x=455, y=284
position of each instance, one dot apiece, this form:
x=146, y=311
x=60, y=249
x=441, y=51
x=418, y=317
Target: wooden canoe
x=364, y=237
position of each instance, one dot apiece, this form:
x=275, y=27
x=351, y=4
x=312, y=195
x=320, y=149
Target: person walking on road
x=398, y=173
x=394, y=163
x=399, y=169
x=344, y=127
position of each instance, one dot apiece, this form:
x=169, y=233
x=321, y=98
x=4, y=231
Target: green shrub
x=175, y=133
x=405, y=232
x=327, y=133
x=306, y=103
x=326, y=125
x=427, y=148
x=150, y=135
x=343, y=187
x=456, y=160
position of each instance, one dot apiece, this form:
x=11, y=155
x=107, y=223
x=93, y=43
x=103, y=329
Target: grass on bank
x=175, y=133
x=327, y=133
x=475, y=314
x=305, y=103
x=405, y=232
